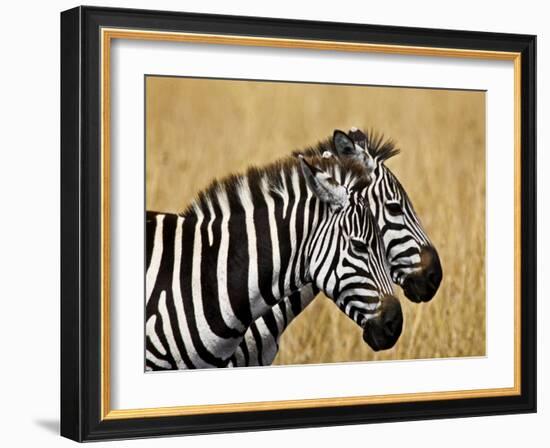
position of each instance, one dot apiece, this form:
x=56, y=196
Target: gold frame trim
x=107, y=35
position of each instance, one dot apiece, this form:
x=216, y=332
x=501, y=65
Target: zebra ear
x=349, y=145
x=344, y=146
x=324, y=186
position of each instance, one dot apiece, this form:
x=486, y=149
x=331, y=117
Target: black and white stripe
x=405, y=240
x=248, y=242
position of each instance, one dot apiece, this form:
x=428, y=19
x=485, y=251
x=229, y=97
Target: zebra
x=249, y=241
x=413, y=259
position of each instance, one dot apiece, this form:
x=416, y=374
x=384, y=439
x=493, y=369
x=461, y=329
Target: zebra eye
x=359, y=246
x=394, y=208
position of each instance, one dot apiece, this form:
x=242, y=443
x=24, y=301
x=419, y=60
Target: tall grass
x=197, y=130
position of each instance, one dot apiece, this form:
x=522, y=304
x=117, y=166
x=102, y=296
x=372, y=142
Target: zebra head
x=346, y=254
x=414, y=262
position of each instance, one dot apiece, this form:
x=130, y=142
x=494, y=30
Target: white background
x=29, y=240
x=132, y=388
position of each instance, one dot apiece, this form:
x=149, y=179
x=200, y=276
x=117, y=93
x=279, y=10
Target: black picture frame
x=81, y=223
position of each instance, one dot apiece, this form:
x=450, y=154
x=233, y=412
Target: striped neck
x=256, y=234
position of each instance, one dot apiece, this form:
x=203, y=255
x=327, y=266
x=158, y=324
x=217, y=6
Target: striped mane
x=379, y=146
x=348, y=172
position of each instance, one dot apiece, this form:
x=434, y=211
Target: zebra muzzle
x=383, y=331
x=422, y=286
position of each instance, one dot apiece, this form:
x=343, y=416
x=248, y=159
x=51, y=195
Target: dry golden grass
x=200, y=129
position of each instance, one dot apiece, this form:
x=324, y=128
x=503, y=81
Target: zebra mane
x=379, y=146
x=272, y=174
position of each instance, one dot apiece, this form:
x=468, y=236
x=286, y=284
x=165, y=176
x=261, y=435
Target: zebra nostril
x=391, y=327
x=433, y=278
x=433, y=273
x=393, y=317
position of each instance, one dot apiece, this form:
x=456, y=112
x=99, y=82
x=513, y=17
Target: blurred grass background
x=199, y=129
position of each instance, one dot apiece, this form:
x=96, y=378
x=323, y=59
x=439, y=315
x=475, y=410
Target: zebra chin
x=422, y=285
x=383, y=331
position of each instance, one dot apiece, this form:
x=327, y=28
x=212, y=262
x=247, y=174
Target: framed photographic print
x=273, y=223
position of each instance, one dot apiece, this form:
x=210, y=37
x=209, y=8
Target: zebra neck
x=251, y=243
